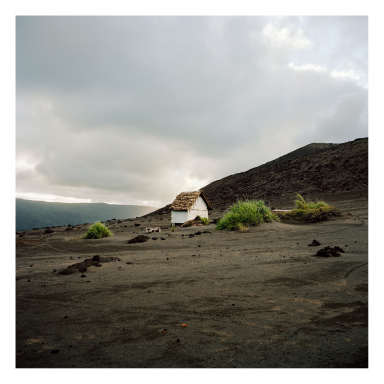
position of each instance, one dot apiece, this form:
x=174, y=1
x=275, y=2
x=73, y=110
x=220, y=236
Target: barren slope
x=316, y=170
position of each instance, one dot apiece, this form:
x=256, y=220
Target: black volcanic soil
x=254, y=299
x=329, y=170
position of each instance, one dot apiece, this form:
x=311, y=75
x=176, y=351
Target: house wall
x=199, y=208
x=179, y=217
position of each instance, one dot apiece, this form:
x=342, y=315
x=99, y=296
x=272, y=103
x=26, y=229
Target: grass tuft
x=204, y=220
x=301, y=203
x=310, y=212
x=246, y=213
x=97, y=231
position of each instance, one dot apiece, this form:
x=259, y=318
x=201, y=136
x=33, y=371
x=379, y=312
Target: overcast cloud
x=134, y=110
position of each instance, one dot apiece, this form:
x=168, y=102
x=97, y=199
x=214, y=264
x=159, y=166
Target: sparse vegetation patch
x=242, y=214
x=97, y=231
x=204, y=220
x=310, y=212
x=301, y=203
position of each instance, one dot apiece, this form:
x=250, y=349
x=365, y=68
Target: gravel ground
x=258, y=299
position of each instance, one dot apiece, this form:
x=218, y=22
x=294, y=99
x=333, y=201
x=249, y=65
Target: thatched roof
x=185, y=200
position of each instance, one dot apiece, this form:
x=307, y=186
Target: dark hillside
x=340, y=168
x=314, y=169
x=303, y=151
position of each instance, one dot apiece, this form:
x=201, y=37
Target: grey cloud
x=339, y=43
x=136, y=108
x=346, y=120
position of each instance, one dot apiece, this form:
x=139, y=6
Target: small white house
x=188, y=205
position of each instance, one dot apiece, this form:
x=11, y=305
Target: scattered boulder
x=314, y=243
x=154, y=238
x=137, y=225
x=49, y=231
x=138, y=239
x=329, y=251
x=82, y=266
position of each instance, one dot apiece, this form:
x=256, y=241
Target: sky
x=136, y=109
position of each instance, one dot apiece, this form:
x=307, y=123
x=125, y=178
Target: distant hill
x=313, y=169
x=38, y=214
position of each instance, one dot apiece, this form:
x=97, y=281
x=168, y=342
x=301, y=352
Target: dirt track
x=255, y=299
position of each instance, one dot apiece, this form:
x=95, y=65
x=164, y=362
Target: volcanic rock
x=82, y=266
x=329, y=251
x=138, y=239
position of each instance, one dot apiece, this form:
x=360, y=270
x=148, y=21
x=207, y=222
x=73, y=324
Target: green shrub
x=301, y=203
x=248, y=212
x=308, y=215
x=310, y=212
x=204, y=220
x=97, y=231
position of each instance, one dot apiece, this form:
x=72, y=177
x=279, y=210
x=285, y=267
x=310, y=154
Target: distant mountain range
x=38, y=214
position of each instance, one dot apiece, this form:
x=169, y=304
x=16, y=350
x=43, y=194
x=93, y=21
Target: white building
x=188, y=205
